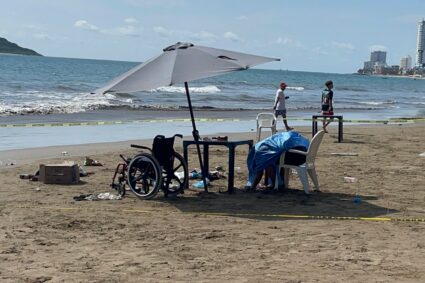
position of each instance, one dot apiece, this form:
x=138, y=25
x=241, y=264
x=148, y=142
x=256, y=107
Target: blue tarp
x=268, y=151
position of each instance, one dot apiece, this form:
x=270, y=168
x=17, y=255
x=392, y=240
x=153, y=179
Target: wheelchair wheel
x=144, y=176
x=179, y=177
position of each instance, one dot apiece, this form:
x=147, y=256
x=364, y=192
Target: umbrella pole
x=195, y=135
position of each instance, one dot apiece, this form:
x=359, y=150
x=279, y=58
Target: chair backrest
x=314, y=146
x=266, y=120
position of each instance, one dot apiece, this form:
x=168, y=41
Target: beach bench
x=331, y=117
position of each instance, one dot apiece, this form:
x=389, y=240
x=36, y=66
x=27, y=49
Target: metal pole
x=195, y=135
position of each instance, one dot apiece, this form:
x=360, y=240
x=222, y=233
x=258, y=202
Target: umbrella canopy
x=180, y=63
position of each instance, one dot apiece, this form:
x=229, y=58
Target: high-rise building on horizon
x=420, y=62
x=378, y=58
x=406, y=63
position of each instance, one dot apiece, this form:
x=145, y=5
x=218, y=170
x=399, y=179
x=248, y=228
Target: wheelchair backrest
x=163, y=150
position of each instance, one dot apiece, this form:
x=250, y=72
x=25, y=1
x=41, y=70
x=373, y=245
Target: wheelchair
x=159, y=168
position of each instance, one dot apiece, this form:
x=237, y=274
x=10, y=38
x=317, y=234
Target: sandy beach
x=46, y=236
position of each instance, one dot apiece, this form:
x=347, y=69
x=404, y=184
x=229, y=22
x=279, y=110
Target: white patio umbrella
x=181, y=63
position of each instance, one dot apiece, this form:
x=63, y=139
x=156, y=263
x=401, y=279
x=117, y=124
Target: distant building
x=420, y=62
x=406, y=63
x=386, y=70
x=378, y=61
x=378, y=58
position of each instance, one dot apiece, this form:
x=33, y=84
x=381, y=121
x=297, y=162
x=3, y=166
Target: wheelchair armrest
x=297, y=152
x=141, y=147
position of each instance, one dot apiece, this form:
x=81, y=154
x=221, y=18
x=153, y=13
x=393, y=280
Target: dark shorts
x=330, y=112
x=278, y=113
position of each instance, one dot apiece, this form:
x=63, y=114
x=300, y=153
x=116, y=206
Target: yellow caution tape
x=287, y=216
x=97, y=123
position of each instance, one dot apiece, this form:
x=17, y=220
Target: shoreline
x=30, y=154
x=42, y=131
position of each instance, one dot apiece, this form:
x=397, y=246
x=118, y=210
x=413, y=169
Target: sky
x=334, y=36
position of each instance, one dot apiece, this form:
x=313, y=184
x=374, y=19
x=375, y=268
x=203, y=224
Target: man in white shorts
x=279, y=105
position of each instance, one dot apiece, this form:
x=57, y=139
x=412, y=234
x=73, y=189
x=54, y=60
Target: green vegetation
x=12, y=48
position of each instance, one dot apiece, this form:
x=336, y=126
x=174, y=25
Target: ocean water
x=37, y=89
x=46, y=85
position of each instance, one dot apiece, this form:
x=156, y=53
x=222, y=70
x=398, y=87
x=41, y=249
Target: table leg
x=206, y=168
x=185, y=156
x=340, y=130
x=230, y=180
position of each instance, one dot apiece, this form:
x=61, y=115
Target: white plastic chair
x=266, y=121
x=304, y=170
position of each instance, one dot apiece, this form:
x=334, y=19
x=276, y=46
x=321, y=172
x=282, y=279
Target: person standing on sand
x=279, y=105
x=327, y=103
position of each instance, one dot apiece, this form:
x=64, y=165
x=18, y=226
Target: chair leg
x=286, y=176
x=258, y=134
x=313, y=176
x=302, y=173
x=278, y=179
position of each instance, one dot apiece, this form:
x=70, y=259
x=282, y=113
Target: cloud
x=41, y=35
x=131, y=21
x=202, y=36
x=232, y=36
x=125, y=31
x=128, y=30
x=320, y=51
x=288, y=41
x=162, y=31
x=342, y=45
x=377, y=47
x=83, y=24
x=242, y=18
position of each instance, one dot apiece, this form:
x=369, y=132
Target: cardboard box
x=65, y=173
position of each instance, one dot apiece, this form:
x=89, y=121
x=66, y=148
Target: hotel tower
x=420, y=60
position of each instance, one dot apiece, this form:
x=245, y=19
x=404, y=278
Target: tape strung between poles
x=71, y=124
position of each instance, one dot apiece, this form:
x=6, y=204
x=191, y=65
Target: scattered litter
x=83, y=172
x=195, y=174
x=31, y=177
x=200, y=184
x=37, y=189
x=350, y=179
x=215, y=175
x=100, y=196
x=180, y=175
x=65, y=153
x=25, y=176
x=422, y=154
x=91, y=162
x=206, y=139
x=219, y=168
x=357, y=200
x=7, y=163
x=345, y=153
x=220, y=138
